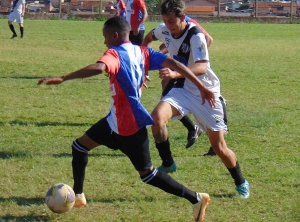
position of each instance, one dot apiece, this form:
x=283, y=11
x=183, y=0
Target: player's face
x=175, y=24
x=109, y=37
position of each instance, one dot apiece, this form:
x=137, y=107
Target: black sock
x=187, y=122
x=79, y=162
x=22, y=31
x=236, y=174
x=165, y=153
x=12, y=29
x=169, y=185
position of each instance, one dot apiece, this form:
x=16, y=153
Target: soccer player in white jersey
x=182, y=101
x=16, y=15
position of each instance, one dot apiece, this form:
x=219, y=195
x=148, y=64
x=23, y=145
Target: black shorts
x=135, y=146
x=137, y=39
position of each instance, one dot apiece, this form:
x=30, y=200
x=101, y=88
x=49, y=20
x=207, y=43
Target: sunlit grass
x=259, y=72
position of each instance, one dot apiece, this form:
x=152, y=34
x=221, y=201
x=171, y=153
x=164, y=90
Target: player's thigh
x=136, y=147
x=12, y=17
x=211, y=118
x=102, y=134
x=163, y=112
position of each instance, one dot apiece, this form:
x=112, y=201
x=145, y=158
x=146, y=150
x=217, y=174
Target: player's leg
x=21, y=29
x=136, y=147
x=193, y=131
x=20, y=20
x=99, y=133
x=229, y=159
x=211, y=151
x=161, y=114
x=137, y=39
x=11, y=26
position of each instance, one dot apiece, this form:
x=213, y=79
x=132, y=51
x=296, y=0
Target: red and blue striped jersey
x=134, y=13
x=127, y=66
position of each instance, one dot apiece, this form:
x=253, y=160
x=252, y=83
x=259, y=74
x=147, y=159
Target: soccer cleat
x=244, y=190
x=200, y=207
x=169, y=169
x=193, y=136
x=210, y=152
x=14, y=36
x=80, y=200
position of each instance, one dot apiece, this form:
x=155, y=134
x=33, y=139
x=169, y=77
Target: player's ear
x=182, y=18
x=116, y=35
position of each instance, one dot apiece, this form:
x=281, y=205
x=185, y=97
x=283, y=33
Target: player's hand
x=167, y=73
x=136, y=31
x=208, y=95
x=147, y=80
x=51, y=81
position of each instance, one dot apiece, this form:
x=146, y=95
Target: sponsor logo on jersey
x=165, y=33
x=167, y=41
x=202, y=47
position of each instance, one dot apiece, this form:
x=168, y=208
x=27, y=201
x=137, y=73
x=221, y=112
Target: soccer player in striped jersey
x=124, y=127
x=136, y=15
x=121, y=8
x=186, y=43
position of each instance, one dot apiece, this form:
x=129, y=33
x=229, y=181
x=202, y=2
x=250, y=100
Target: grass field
x=258, y=65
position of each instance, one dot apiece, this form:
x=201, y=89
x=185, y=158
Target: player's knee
x=220, y=149
x=159, y=119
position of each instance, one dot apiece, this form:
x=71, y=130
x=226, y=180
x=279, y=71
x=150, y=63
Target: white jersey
x=18, y=6
x=198, y=52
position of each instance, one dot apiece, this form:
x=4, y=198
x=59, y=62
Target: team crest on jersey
x=185, y=48
x=165, y=33
x=202, y=47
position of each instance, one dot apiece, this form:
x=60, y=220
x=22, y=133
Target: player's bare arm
x=198, y=68
x=209, y=40
x=88, y=71
x=206, y=94
x=23, y=10
x=148, y=39
x=143, y=20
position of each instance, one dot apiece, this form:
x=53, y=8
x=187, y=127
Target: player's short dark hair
x=173, y=6
x=117, y=24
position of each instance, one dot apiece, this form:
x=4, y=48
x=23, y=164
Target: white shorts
x=15, y=17
x=206, y=116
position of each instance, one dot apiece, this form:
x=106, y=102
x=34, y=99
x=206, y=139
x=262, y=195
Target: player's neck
x=182, y=30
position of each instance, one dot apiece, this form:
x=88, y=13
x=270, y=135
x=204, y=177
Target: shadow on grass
x=22, y=201
x=41, y=124
x=21, y=77
x=30, y=217
x=9, y=155
x=64, y=155
x=224, y=195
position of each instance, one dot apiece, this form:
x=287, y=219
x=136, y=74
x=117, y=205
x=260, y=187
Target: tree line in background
x=153, y=6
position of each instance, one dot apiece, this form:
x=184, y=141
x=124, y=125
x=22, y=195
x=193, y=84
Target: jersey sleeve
x=158, y=32
x=156, y=59
x=111, y=60
x=199, y=50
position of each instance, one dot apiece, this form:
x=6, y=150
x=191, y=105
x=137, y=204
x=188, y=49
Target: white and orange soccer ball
x=60, y=198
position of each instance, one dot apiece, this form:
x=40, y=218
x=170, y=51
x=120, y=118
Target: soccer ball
x=60, y=198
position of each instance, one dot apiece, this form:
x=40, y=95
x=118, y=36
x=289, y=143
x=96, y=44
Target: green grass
x=258, y=65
